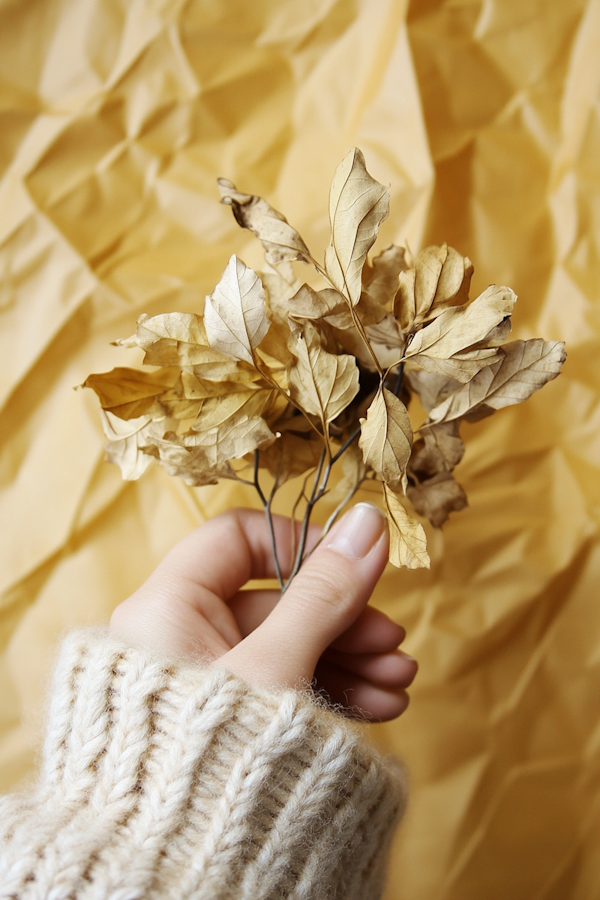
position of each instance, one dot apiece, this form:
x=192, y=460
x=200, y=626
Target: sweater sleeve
x=167, y=780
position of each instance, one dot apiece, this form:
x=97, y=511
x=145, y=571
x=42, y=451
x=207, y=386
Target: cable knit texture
x=161, y=779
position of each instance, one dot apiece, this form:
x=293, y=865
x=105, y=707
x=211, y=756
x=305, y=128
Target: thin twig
x=316, y=493
x=399, y=379
x=267, y=508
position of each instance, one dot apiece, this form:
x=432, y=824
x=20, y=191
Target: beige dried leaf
x=354, y=471
x=129, y=393
x=327, y=305
x=279, y=291
x=437, y=497
x=432, y=388
x=380, y=279
x=126, y=440
x=321, y=383
x=217, y=411
x=441, y=278
x=281, y=241
x=227, y=370
x=461, y=367
x=190, y=464
x=525, y=368
x=460, y=327
x=291, y=455
x=196, y=387
x=408, y=544
x=386, y=438
x=439, y=449
x=357, y=206
x=232, y=439
x=173, y=339
x=235, y=314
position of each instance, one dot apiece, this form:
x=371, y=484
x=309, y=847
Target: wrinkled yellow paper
x=483, y=117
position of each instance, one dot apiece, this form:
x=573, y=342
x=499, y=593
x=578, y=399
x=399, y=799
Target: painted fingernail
x=358, y=531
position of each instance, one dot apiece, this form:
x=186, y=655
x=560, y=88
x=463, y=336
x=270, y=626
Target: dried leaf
x=235, y=314
x=227, y=370
x=461, y=367
x=279, y=292
x=232, y=439
x=126, y=440
x=307, y=303
x=175, y=405
x=353, y=475
x=441, y=278
x=291, y=455
x=408, y=544
x=431, y=387
x=525, y=368
x=439, y=449
x=321, y=383
x=190, y=464
x=357, y=206
x=129, y=393
x=281, y=241
x=380, y=279
x=196, y=387
x=386, y=340
x=217, y=411
x=460, y=327
x=437, y=497
x=386, y=438
x=173, y=339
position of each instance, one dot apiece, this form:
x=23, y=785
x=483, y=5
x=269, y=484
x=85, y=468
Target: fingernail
x=358, y=531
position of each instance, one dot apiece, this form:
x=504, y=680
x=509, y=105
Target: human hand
x=322, y=628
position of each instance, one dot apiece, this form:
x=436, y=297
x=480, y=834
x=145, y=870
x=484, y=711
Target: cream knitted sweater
x=167, y=780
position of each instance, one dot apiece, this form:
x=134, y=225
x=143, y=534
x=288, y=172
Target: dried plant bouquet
x=276, y=375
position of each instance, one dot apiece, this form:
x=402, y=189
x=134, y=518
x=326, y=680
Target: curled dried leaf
x=408, y=544
x=126, y=443
x=281, y=241
x=357, y=206
x=386, y=438
x=235, y=314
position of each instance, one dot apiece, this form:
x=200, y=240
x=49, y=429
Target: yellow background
x=116, y=116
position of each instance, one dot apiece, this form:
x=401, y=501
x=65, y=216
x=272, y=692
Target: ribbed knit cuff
x=163, y=779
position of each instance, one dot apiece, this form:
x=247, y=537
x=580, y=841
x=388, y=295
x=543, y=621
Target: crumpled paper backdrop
x=116, y=118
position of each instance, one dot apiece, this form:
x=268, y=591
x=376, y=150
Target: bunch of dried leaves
x=279, y=376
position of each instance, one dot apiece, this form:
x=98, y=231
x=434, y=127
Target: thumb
x=324, y=599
